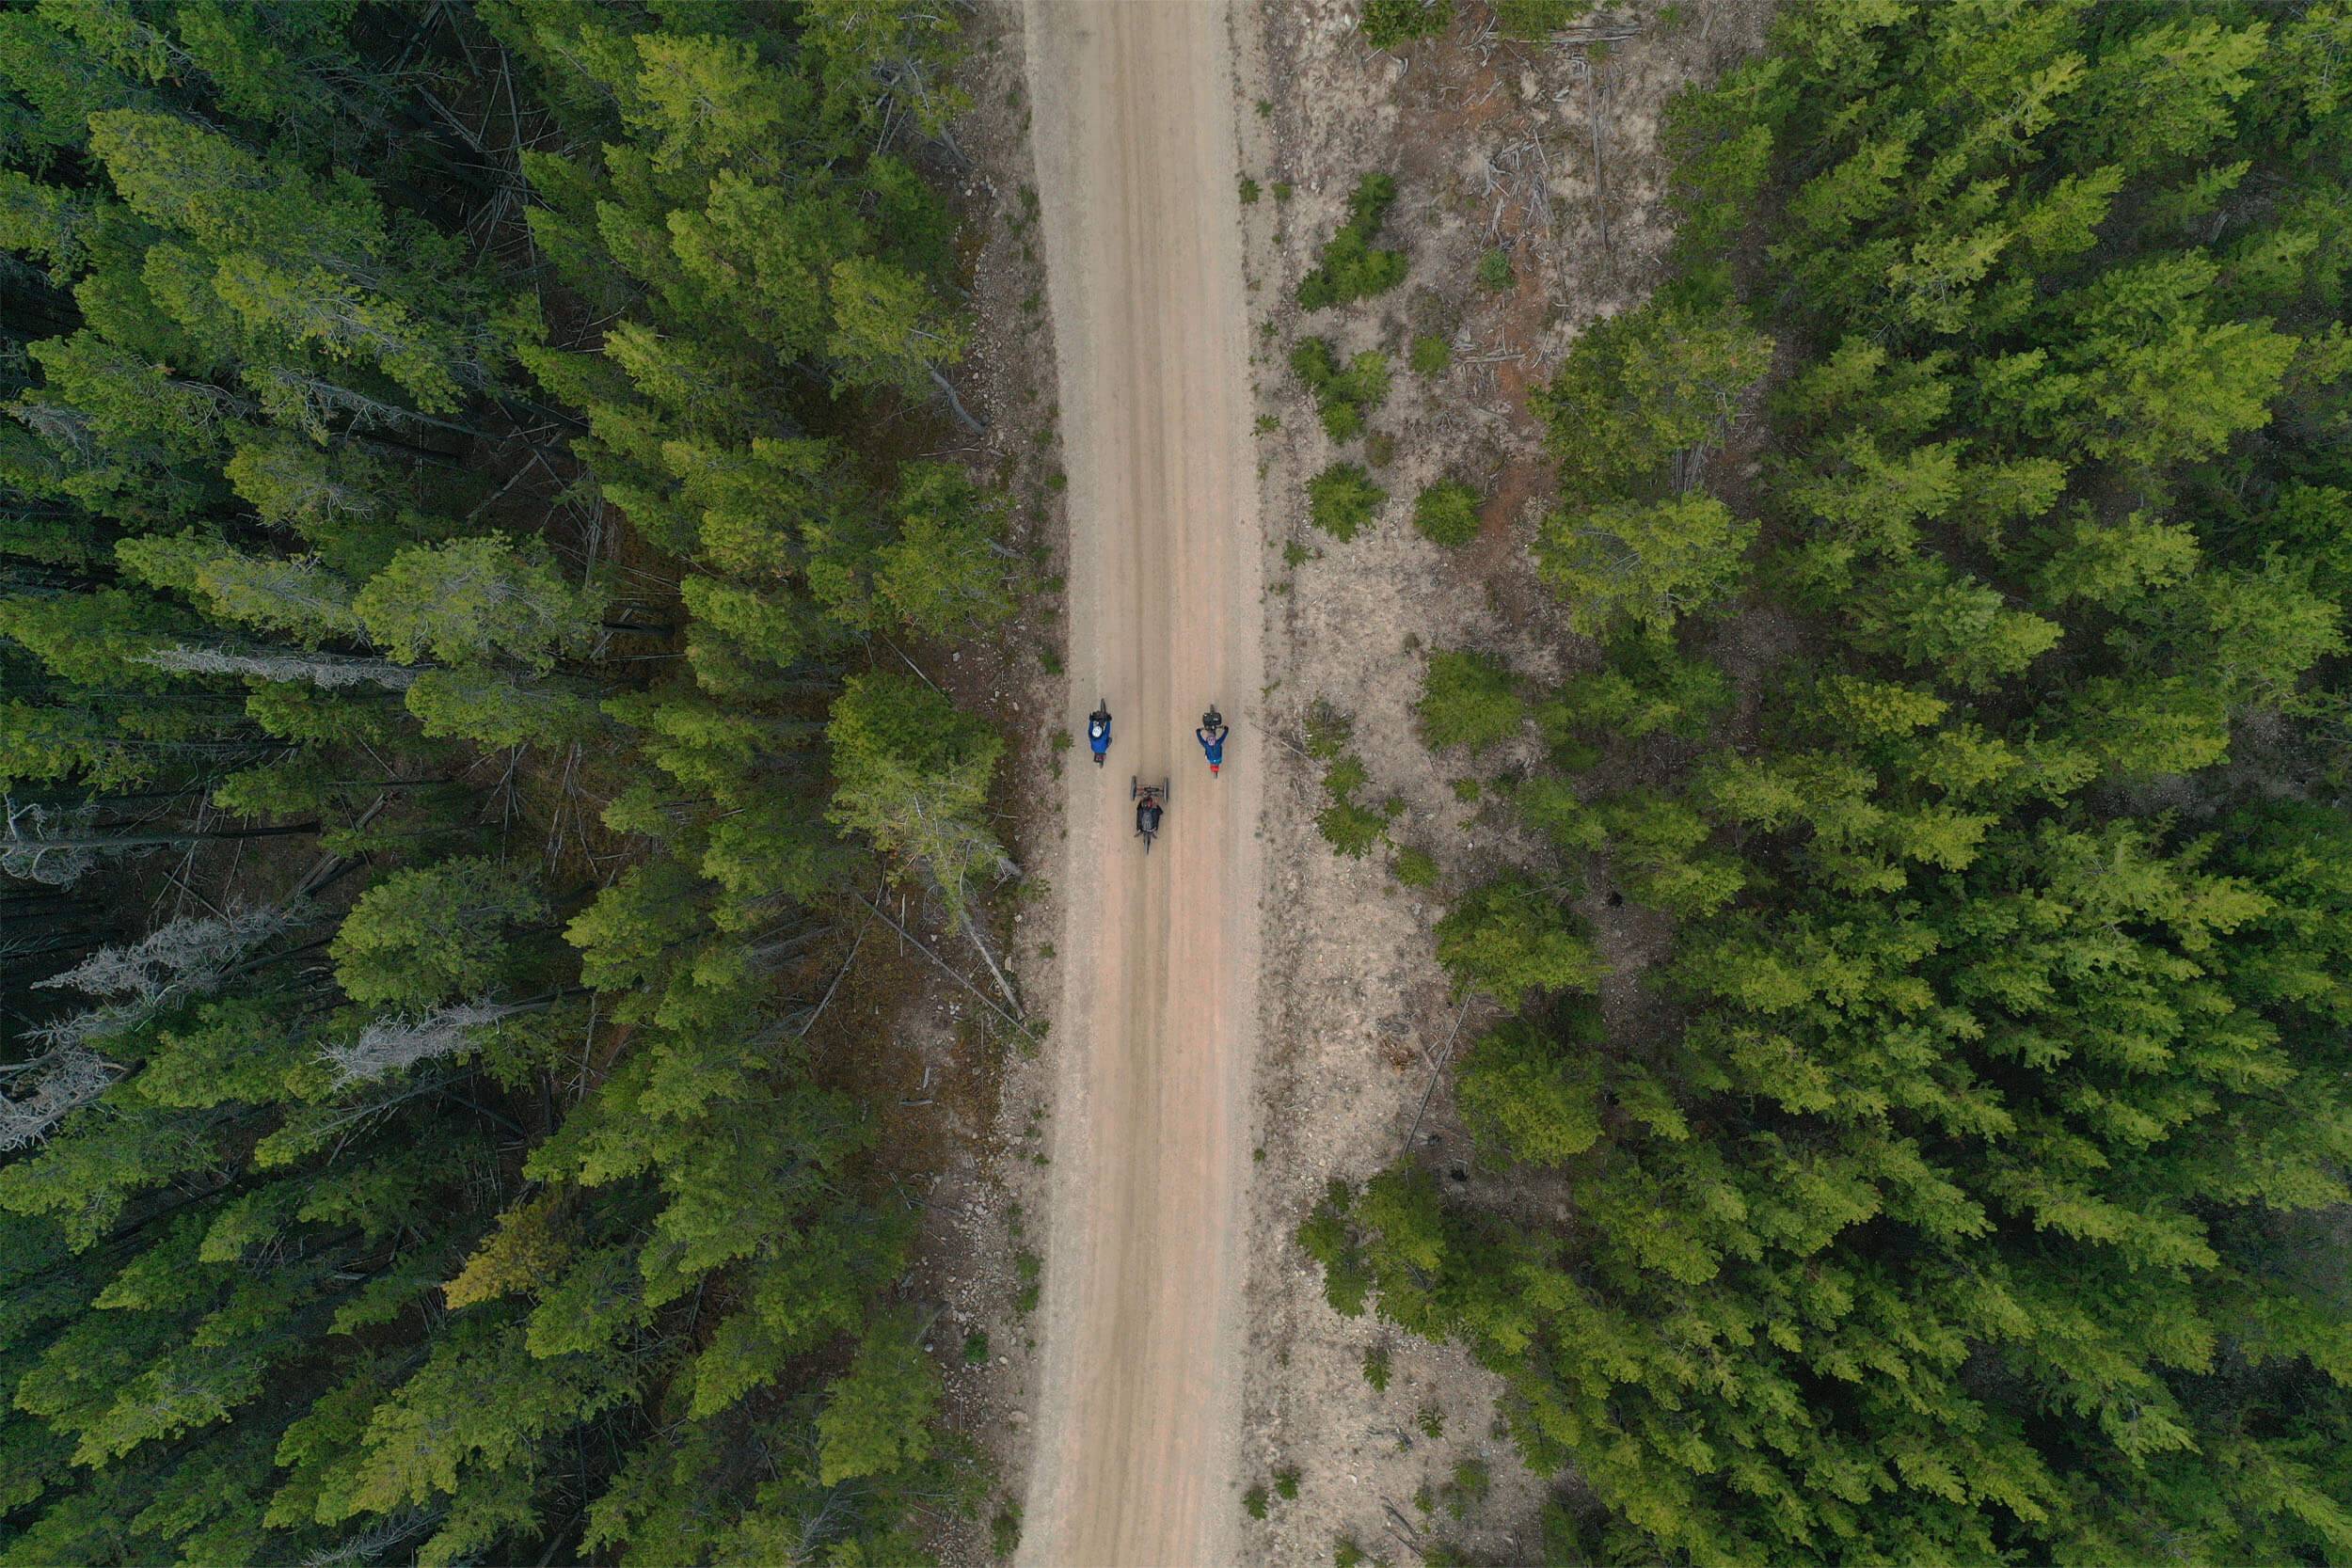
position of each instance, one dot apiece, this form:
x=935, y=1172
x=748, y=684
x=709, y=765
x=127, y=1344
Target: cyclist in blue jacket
x=1212, y=735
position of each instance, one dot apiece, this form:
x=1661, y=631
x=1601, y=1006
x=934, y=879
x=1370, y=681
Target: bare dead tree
x=394, y=1044
x=328, y=671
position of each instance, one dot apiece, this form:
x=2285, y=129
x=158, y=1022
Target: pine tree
x=1642, y=565
x=914, y=776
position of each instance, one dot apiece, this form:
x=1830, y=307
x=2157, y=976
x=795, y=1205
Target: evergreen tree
x=1939, y=1199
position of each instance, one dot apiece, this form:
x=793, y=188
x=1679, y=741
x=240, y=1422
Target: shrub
x=1030, y=1270
x=1352, y=830
x=1647, y=686
x=1494, y=270
x=1325, y=1237
x=1532, y=1095
x=1641, y=387
x=1536, y=19
x=1286, y=1482
x=1414, y=867
x=1393, y=23
x=1249, y=191
x=1447, y=512
x=1469, y=698
x=1329, y=730
x=1643, y=565
x=1657, y=842
x=1341, y=500
x=1431, y=355
x=1376, y=1369
x=1004, y=1532
x=1344, y=394
x=1254, y=1502
x=1509, y=940
x=1349, y=268
x=1552, y=807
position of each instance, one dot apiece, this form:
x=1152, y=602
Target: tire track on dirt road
x=1138, y=1422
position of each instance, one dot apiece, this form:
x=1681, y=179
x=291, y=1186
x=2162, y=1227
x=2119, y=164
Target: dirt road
x=1140, y=1416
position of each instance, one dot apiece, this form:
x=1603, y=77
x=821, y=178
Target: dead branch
x=972, y=932
x=1444, y=1056
x=1595, y=91
x=825, y=1000
x=943, y=966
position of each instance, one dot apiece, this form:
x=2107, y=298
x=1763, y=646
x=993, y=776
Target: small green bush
x=1004, y=1532
x=1325, y=1237
x=1344, y=394
x=1030, y=1269
x=1286, y=1482
x=1346, y=1554
x=1341, y=500
x=1431, y=1421
x=1447, y=512
x=1376, y=1369
x=1536, y=19
x=1351, y=829
x=1254, y=1502
x=1393, y=23
x=1494, y=271
x=975, y=1348
x=1249, y=191
x=1470, y=1485
x=1329, y=731
x=1414, y=867
x=1431, y=355
x=1469, y=698
x=1349, y=268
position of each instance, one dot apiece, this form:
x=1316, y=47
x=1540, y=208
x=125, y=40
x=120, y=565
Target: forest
x=458, y=484
x=1962, y=534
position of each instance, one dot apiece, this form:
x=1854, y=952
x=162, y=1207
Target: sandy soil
x=1140, y=1414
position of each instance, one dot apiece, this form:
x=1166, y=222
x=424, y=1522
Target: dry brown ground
x=1139, y=1407
x=1492, y=143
